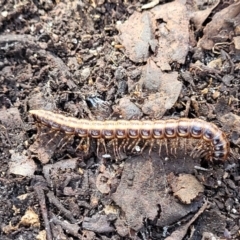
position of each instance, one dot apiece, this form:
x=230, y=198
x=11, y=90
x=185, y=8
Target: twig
x=180, y=233
x=6, y=134
x=70, y=228
x=40, y=194
x=58, y=204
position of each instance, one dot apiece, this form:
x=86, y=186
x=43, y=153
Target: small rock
x=97, y=223
x=85, y=73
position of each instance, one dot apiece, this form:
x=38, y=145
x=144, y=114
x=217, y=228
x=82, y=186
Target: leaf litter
x=185, y=187
x=103, y=198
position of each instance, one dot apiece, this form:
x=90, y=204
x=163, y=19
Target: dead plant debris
x=185, y=187
x=117, y=60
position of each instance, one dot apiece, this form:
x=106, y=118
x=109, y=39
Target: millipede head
x=34, y=114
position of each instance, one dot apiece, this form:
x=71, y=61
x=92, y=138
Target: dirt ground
x=110, y=60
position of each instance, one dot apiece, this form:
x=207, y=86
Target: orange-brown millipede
x=150, y=132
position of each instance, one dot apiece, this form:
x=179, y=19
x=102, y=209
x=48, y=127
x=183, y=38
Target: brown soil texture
x=105, y=61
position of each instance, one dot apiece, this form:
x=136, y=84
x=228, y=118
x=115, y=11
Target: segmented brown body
x=149, y=131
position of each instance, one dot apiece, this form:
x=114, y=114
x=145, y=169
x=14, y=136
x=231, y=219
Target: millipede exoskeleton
x=127, y=134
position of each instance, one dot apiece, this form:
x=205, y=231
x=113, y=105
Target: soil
x=107, y=60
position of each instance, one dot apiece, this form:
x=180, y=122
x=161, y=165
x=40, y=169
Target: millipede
x=127, y=134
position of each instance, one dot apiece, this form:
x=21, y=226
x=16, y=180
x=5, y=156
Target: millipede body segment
x=150, y=132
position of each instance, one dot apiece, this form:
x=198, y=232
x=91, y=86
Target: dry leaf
x=158, y=103
x=173, y=45
x=200, y=16
x=219, y=30
x=103, y=182
x=30, y=218
x=42, y=235
x=185, y=187
x=21, y=165
x=141, y=36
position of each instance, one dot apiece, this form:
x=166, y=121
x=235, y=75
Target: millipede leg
x=98, y=144
x=101, y=141
x=204, y=154
x=136, y=144
x=61, y=141
x=68, y=139
x=166, y=145
x=201, y=154
x=176, y=145
x=79, y=145
x=104, y=145
x=197, y=149
x=59, y=144
x=185, y=146
x=38, y=130
x=54, y=136
x=159, y=142
x=144, y=146
x=47, y=133
x=151, y=146
x=87, y=144
x=173, y=148
x=125, y=145
x=115, y=148
x=121, y=145
x=83, y=147
x=210, y=156
x=131, y=144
